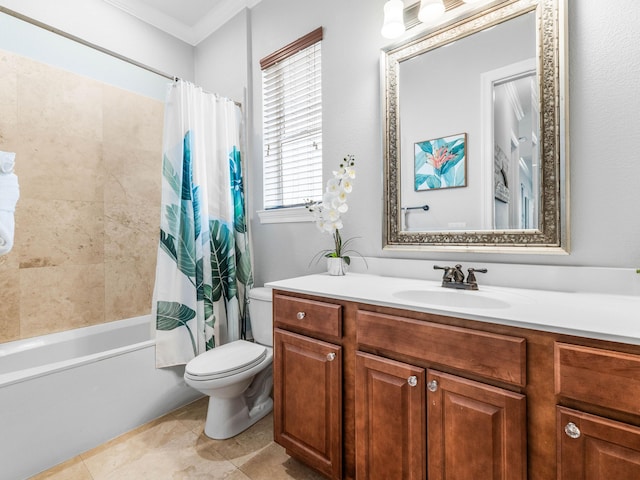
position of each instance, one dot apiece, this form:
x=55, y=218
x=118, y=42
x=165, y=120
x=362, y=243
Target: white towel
x=9, y=194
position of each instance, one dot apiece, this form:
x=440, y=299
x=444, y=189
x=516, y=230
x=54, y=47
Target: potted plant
x=328, y=216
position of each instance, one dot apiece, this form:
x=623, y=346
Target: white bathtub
x=65, y=393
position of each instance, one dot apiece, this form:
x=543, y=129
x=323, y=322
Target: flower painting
x=441, y=163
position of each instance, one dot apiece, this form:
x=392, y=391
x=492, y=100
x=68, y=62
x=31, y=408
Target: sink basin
x=453, y=298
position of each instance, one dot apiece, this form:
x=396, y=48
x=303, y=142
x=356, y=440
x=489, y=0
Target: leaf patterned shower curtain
x=203, y=271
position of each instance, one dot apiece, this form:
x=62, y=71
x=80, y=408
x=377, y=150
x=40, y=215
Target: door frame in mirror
x=552, y=234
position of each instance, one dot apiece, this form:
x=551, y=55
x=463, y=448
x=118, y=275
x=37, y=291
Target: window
x=292, y=123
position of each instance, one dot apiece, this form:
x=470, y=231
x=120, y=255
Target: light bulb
x=393, y=25
x=430, y=10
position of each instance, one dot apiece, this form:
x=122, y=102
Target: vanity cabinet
x=365, y=392
x=307, y=374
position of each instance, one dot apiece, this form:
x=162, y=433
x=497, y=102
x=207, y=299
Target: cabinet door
x=390, y=419
x=475, y=431
x=595, y=448
x=308, y=400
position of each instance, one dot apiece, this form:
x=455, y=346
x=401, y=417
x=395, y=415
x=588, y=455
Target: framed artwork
x=441, y=163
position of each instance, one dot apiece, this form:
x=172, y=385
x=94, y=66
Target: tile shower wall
x=88, y=162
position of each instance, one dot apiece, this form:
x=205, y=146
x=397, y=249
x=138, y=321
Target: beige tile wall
x=89, y=166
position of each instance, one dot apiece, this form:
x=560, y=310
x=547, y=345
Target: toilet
x=237, y=376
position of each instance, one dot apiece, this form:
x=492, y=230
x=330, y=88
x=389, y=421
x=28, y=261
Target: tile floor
x=174, y=447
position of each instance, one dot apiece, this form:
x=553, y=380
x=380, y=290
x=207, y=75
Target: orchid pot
x=336, y=266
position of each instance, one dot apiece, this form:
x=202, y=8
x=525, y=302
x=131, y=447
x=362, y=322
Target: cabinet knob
x=331, y=356
x=300, y=315
x=572, y=430
x=412, y=381
x=432, y=385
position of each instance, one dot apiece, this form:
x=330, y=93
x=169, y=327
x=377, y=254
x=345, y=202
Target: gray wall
x=221, y=60
x=604, y=61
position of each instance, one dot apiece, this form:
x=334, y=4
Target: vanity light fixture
x=393, y=25
x=430, y=10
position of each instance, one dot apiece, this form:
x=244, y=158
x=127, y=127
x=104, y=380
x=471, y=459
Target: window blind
x=292, y=123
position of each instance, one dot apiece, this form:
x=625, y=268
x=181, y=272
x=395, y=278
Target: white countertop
x=592, y=315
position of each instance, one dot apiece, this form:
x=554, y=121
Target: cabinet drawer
x=490, y=355
x=597, y=376
x=309, y=316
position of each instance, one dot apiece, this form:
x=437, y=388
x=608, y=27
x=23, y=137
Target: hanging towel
x=9, y=194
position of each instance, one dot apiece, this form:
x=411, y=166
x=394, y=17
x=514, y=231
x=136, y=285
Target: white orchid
x=328, y=213
x=350, y=172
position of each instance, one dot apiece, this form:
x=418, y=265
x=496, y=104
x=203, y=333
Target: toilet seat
x=226, y=360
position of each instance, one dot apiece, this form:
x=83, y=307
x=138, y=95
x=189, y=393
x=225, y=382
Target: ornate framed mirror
x=474, y=121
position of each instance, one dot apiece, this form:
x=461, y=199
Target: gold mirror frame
x=551, y=236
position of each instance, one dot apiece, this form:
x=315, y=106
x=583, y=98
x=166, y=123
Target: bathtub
x=65, y=393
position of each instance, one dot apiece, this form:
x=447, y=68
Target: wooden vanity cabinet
x=369, y=392
x=307, y=377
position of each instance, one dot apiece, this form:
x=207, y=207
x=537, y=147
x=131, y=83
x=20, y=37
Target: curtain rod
x=177, y=79
x=57, y=31
x=81, y=41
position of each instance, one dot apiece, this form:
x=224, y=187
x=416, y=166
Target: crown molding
x=222, y=12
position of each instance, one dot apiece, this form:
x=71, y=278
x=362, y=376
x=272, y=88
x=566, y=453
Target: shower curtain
x=203, y=272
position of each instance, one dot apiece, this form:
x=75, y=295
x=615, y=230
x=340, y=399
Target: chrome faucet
x=453, y=277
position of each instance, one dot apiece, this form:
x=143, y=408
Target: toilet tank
x=260, y=310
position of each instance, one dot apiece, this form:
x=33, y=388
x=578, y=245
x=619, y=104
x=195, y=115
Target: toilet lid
x=227, y=359
x=261, y=293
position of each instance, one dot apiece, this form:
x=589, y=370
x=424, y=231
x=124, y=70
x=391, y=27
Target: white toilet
x=238, y=376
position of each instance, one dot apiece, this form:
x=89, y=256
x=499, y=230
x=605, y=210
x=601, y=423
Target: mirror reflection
x=474, y=94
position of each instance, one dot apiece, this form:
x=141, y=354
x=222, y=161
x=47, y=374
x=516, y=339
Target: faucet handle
x=471, y=277
x=479, y=270
x=447, y=275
